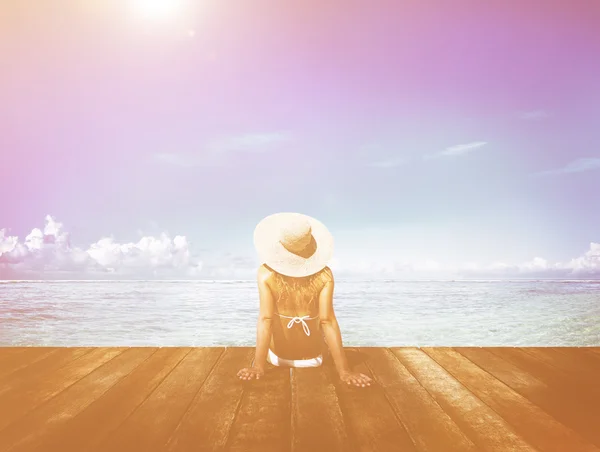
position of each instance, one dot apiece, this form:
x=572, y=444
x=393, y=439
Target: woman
x=295, y=288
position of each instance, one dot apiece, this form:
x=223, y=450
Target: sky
x=147, y=138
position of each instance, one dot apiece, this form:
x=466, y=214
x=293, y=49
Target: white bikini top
x=299, y=320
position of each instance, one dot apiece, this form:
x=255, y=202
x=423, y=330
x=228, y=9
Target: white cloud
x=533, y=115
x=583, y=267
x=458, y=150
x=49, y=254
x=576, y=166
x=215, y=152
x=589, y=263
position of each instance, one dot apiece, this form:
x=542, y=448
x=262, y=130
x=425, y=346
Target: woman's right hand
x=355, y=378
x=249, y=373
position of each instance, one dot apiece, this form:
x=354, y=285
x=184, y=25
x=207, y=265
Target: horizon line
x=340, y=279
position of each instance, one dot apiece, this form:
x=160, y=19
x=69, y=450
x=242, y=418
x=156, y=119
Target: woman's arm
x=263, y=327
x=265, y=319
x=333, y=337
x=331, y=328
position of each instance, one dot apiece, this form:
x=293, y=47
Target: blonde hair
x=300, y=292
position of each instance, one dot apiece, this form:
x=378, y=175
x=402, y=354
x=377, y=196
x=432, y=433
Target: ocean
x=370, y=313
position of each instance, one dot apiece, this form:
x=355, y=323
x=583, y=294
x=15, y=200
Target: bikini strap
x=300, y=320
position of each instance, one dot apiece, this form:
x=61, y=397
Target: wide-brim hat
x=293, y=244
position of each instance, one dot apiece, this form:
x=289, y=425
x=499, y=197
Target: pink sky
x=422, y=131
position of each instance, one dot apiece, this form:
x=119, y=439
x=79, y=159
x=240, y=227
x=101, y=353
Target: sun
x=157, y=9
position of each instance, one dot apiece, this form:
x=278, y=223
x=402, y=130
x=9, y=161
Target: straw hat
x=293, y=244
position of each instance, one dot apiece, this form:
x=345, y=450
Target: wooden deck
x=189, y=399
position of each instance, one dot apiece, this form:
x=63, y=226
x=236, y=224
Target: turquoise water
x=371, y=313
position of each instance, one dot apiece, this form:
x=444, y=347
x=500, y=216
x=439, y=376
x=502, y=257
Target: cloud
x=589, y=263
x=576, y=166
x=587, y=266
x=391, y=163
x=215, y=152
x=458, y=150
x=49, y=254
x=533, y=115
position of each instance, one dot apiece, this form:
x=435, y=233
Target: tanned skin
x=329, y=325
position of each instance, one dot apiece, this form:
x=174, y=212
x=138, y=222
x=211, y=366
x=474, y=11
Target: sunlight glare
x=157, y=9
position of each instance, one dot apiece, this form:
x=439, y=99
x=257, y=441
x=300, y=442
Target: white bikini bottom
x=277, y=361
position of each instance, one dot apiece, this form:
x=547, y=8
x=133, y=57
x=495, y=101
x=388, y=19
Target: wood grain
x=484, y=426
x=556, y=400
x=371, y=421
x=435, y=399
x=531, y=422
x=317, y=420
x=431, y=428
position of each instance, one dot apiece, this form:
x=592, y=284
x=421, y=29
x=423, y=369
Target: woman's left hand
x=355, y=378
x=249, y=373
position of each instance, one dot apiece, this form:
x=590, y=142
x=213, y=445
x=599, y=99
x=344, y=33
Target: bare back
x=296, y=326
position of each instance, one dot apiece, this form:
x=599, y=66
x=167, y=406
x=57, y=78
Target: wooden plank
x=584, y=371
x=575, y=361
x=371, y=421
x=584, y=354
x=532, y=423
x=41, y=365
x=149, y=427
x=581, y=394
x=555, y=400
x=206, y=424
x=10, y=350
x=317, y=420
x=90, y=426
x=480, y=423
x=431, y=428
x=33, y=427
x=263, y=419
x=18, y=358
x=34, y=392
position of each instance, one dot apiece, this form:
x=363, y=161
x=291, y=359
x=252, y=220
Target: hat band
x=305, y=252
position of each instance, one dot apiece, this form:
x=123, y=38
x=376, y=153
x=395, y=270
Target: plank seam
x=293, y=404
x=560, y=372
x=565, y=375
x=561, y=369
x=90, y=349
x=337, y=383
x=114, y=384
x=121, y=379
x=187, y=409
x=27, y=413
x=473, y=440
x=508, y=423
x=236, y=411
x=537, y=358
x=582, y=436
x=39, y=358
x=385, y=394
x=99, y=441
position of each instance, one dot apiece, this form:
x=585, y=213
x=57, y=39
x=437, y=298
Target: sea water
x=370, y=313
